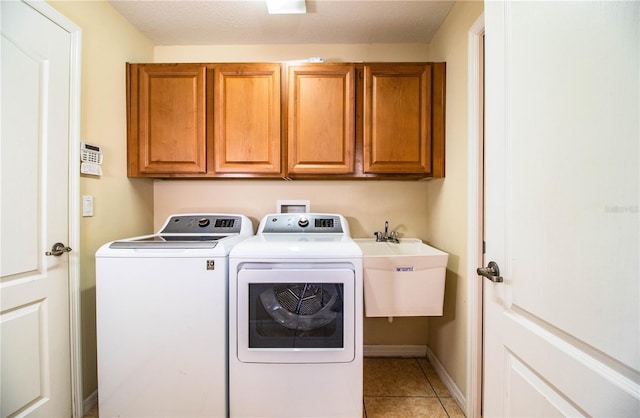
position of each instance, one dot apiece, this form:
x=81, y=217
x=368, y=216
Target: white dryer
x=161, y=312
x=295, y=319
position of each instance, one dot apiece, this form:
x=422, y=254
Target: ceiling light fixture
x=282, y=7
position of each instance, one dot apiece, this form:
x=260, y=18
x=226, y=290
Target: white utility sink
x=402, y=279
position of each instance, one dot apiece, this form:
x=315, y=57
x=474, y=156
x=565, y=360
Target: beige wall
x=365, y=204
x=122, y=207
x=268, y=53
x=447, y=198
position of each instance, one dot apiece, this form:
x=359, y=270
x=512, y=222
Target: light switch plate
x=87, y=205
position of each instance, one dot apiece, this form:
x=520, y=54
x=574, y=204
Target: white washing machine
x=295, y=319
x=161, y=312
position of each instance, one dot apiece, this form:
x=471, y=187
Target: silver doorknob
x=58, y=249
x=491, y=272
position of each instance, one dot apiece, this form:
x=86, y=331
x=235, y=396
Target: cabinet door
x=246, y=119
x=167, y=124
x=397, y=118
x=321, y=122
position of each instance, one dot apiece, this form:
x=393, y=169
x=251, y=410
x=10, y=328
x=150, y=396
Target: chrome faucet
x=388, y=236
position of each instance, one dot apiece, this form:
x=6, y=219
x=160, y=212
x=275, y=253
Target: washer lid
x=169, y=242
x=192, y=231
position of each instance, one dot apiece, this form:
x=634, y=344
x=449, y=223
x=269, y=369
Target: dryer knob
x=202, y=222
x=303, y=222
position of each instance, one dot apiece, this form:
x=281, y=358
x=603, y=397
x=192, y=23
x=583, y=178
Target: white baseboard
x=395, y=350
x=90, y=402
x=447, y=380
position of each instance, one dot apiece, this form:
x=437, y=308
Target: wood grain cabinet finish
x=166, y=119
x=204, y=120
x=403, y=119
x=246, y=119
x=321, y=119
x=328, y=120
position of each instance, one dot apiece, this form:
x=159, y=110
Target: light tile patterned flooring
x=92, y=414
x=405, y=387
x=400, y=388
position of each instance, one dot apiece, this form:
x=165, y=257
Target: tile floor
x=92, y=414
x=400, y=388
x=405, y=387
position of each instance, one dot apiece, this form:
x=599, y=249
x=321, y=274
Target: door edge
x=475, y=185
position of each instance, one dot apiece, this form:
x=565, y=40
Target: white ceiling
x=246, y=22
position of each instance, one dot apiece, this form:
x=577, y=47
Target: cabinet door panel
x=247, y=118
x=171, y=122
x=397, y=118
x=340, y=119
x=321, y=130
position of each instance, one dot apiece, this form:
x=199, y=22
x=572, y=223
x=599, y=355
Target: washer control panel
x=202, y=224
x=302, y=223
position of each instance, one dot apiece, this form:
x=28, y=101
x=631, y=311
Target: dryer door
x=301, y=315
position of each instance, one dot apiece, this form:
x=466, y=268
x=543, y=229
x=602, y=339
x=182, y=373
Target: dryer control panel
x=286, y=223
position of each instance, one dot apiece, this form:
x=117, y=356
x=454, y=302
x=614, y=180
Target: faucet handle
x=378, y=236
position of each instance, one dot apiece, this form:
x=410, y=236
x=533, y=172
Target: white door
x=562, y=182
x=34, y=303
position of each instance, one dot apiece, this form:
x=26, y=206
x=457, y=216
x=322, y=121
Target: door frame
x=75, y=342
x=475, y=210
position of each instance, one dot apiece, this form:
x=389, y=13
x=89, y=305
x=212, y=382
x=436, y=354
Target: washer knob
x=202, y=222
x=303, y=222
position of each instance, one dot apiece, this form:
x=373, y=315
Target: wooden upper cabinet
x=398, y=119
x=167, y=119
x=321, y=119
x=338, y=120
x=245, y=115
